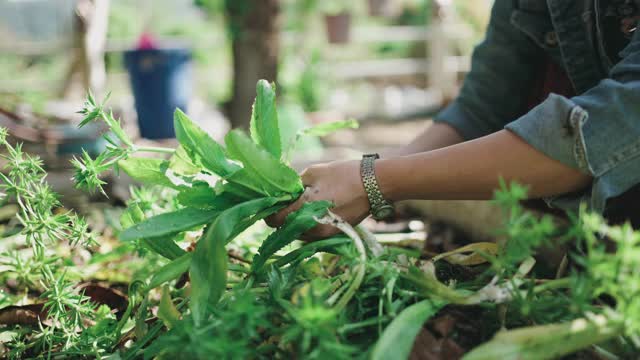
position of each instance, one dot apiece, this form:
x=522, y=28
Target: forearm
x=436, y=136
x=471, y=170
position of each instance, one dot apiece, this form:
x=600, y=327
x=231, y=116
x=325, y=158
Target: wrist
x=386, y=180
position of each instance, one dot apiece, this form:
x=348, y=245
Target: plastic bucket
x=338, y=28
x=161, y=80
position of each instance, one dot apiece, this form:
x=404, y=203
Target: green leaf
x=113, y=255
x=202, y=196
x=264, y=119
x=237, y=188
x=328, y=128
x=277, y=177
x=163, y=246
x=208, y=270
x=398, y=338
x=147, y=170
x=310, y=249
x=116, y=127
x=169, y=223
x=259, y=216
x=430, y=286
x=295, y=225
x=551, y=341
x=170, y=271
x=181, y=163
x=208, y=275
x=133, y=215
x=251, y=185
x=202, y=149
x=167, y=311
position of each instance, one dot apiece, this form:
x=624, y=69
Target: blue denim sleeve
x=501, y=67
x=597, y=132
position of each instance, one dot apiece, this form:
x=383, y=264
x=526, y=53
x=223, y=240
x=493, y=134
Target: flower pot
x=338, y=28
x=379, y=7
x=161, y=80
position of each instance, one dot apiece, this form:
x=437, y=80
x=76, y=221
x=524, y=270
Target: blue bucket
x=161, y=80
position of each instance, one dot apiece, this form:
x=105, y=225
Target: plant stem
x=239, y=268
x=370, y=239
x=369, y=322
x=552, y=284
x=335, y=220
x=155, y=149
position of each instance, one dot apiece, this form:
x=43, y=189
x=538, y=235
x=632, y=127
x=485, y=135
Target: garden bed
x=189, y=270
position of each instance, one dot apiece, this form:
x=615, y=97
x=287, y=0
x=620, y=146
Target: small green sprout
x=88, y=170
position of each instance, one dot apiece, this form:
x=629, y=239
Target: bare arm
x=469, y=170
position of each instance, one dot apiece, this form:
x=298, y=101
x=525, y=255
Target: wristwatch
x=379, y=207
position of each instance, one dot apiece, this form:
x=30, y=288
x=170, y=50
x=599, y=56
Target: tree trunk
x=90, y=39
x=254, y=27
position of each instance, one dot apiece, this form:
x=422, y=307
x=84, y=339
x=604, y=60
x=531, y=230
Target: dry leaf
x=459, y=256
x=22, y=315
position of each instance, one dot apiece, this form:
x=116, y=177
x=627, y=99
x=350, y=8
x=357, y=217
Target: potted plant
x=338, y=21
x=379, y=7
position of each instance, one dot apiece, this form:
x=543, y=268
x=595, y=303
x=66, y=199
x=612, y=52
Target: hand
x=338, y=182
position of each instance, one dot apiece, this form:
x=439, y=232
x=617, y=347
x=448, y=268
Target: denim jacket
x=596, y=131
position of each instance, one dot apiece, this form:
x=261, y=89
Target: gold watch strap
x=379, y=207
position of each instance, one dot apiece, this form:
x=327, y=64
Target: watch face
x=383, y=212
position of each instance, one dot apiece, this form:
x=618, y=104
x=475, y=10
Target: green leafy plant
x=251, y=181
x=223, y=190
x=213, y=282
x=44, y=225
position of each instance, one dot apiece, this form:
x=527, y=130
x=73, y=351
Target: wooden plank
x=35, y=48
x=393, y=67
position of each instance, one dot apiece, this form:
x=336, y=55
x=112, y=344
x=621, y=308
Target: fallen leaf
x=428, y=347
x=22, y=314
x=459, y=256
x=113, y=298
x=443, y=325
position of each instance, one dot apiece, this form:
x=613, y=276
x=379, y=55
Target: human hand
x=338, y=182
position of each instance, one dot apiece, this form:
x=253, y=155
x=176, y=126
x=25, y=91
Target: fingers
x=320, y=231
x=277, y=219
x=308, y=178
x=309, y=175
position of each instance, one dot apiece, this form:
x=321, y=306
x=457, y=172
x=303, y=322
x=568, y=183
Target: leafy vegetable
x=171, y=271
x=397, y=339
x=547, y=341
x=167, y=311
x=276, y=177
x=312, y=248
x=147, y=170
x=317, y=131
x=295, y=225
x=201, y=147
x=327, y=299
x=181, y=162
x=209, y=264
x=164, y=246
x=169, y=223
x=202, y=196
x=264, y=119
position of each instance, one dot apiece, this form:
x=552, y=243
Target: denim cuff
x=559, y=128
x=554, y=127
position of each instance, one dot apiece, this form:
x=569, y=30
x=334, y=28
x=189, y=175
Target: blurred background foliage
x=201, y=25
